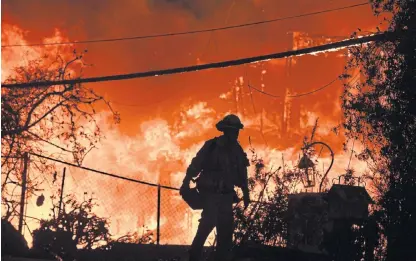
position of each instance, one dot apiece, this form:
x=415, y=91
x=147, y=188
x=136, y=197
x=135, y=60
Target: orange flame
x=157, y=146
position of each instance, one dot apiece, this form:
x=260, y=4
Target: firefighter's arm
x=245, y=189
x=196, y=164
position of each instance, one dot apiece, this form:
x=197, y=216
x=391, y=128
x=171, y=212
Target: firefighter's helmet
x=230, y=121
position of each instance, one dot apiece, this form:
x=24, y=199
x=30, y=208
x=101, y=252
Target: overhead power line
x=190, y=32
x=305, y=93
x=223, y=64
x=296, y=95
x=102, y=172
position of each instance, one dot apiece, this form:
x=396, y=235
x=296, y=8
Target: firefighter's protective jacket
x=220, y=162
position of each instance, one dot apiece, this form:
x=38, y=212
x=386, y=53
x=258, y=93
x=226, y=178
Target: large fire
x=165, y=120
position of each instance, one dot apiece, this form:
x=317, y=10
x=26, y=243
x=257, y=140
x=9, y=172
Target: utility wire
x=114, y=175
x=102, y=172
x=352, y=151
x=302, y=94
x=255, y=111
x=223, y=64
x=297, y=95
x=191, y=32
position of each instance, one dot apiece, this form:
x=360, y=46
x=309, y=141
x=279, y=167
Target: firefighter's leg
x=225, y=228
x=205, y=227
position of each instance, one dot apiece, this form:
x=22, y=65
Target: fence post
x=158, y=214
x=62, y=192
x=22, y=196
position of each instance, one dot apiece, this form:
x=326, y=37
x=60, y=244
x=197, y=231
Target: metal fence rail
x=154, y=213
x=149, y=213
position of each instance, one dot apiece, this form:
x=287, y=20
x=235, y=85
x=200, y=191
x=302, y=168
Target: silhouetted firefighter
x=219, y=165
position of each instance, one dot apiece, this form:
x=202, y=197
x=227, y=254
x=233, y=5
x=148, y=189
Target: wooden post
x=62, y=192
x=23, y=194
x=158, y=214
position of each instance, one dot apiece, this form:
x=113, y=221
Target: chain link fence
x=130, y=208
x=136, y=212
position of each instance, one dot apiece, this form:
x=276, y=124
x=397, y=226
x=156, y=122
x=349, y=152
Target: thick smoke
x=200, y=9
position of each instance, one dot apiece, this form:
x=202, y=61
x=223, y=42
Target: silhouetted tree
x=44, y=119
x=380, y=111
x=76, y=226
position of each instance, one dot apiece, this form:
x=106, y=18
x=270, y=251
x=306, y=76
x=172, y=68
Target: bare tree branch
x=34, y=117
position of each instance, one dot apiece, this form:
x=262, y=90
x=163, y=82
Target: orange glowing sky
x=158, y=96
x=150, y=107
